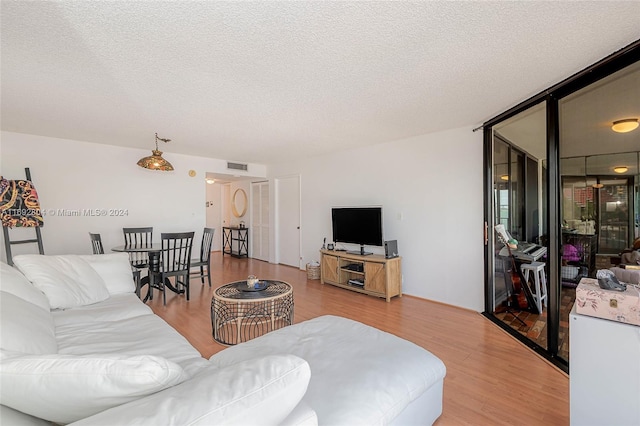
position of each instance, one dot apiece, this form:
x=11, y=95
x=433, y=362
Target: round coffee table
x=240, y=313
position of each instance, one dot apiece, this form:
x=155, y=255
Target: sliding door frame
x=607, y=66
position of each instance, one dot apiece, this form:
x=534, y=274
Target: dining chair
x=205, y=256
x=175, y=261
x=96, y=243
x=138, y=237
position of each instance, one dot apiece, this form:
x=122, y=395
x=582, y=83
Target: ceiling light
x=155, y=161
x=624, y=126
x=210, y=181
x=621, y=169
x=504, y=177
x=598, y=185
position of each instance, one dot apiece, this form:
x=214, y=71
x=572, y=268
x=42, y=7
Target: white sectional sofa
x=78, y=347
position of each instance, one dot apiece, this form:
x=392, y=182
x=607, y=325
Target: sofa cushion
x=66, y=280
x=361, y=375
x=259, y=391
x=141, y=335
x=13, y=417
x=25, y=327
x=66, y=388
x=115, y=308
x=114, y=269
x=12, y=281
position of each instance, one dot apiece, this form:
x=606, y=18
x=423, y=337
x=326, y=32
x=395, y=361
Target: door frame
x=278, y=228
x=607, y=66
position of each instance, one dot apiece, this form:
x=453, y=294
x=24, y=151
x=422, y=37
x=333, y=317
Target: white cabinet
x=604, y=369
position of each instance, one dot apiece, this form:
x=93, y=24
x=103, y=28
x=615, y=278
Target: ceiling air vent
x=236, y=166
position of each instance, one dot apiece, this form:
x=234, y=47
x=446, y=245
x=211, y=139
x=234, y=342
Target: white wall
x=430, y=188
x=70, y=175
x=214, y=214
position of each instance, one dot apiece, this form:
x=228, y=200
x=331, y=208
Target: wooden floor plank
x=492, y=379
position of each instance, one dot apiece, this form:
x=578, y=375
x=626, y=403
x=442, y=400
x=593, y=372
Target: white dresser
x=604, y=368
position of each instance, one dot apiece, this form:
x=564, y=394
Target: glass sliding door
x=519, y=273
x=560, y=177
x=598, y=170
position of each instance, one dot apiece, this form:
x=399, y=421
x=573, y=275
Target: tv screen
x=357, y=225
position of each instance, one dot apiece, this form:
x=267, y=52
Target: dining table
x=153, y=250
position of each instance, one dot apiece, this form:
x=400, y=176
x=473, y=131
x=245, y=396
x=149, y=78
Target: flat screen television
x=357, y=225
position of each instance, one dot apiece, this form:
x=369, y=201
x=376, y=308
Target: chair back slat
x=176, y=251
x=96, y=243
x=207, y=240
x=138, y=237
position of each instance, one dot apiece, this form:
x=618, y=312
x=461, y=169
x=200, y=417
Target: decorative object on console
x=613, y=305
x=155, y=161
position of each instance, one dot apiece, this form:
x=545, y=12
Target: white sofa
x=78, y=347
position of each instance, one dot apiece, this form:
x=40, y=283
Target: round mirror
x=239, y=203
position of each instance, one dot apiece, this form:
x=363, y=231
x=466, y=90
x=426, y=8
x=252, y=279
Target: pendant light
x=155, y=161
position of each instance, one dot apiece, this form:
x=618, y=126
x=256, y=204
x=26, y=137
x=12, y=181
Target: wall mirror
x=239, y=203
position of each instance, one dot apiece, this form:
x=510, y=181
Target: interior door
x=260, y=221
x=288, y=202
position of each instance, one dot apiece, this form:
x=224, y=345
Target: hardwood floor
x=492, y=379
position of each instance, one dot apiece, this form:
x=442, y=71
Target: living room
x=429, y=182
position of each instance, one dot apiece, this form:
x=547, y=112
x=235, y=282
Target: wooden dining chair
x=96, y=243
x=205, y=256
x=175, y=261
x=138, y=237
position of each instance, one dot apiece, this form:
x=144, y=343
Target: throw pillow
x=260, y=391
x=114, y=269
x=67, y=388
x=66, y=280
x=12, y=281
x=26, y=327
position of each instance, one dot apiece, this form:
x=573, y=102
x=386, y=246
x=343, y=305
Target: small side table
x=239, y=314
x=235, y=241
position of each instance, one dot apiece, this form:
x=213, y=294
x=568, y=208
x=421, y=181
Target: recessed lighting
x=621, y=169
x=625, y=125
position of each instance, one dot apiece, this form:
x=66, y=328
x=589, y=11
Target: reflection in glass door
x=613, y=235
x=520, y=284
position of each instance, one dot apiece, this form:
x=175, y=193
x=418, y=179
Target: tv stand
x=374, y=274
x=361, y=252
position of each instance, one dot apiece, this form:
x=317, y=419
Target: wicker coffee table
x=240, y=313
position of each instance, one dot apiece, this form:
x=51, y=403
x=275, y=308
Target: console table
x=374, y=274
x=235, y=241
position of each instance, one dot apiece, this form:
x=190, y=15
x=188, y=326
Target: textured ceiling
x=266, y=82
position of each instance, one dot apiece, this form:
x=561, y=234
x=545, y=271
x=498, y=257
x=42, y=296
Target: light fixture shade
x=621, y=169
x=624, y=126
x=155, y=162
